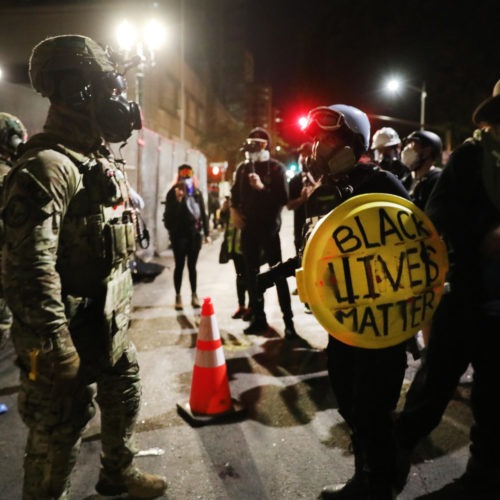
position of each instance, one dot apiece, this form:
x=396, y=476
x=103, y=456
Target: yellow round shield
x=373, y=270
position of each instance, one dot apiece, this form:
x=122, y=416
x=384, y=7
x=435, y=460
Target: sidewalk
x=292, y=440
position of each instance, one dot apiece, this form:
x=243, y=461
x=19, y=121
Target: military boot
x=135, y=483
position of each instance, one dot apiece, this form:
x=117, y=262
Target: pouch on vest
x=117, y=306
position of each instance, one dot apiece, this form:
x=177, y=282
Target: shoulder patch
x=17, y=211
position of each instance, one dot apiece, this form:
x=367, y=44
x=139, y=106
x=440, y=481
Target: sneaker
x=355, y=489
x=178, y=303
x=290, y=333
x=195, y=302
x=239, y=313
x=257, y=327
x=247, y=316
x=135, y=483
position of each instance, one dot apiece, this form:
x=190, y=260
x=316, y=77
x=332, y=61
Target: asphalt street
x=288, y=441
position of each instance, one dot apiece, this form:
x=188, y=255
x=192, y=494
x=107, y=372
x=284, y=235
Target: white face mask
x=410, y=157
x=262, y=155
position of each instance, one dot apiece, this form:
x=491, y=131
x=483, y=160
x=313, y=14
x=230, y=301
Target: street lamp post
x=182, y=110
x=395, y=84
x=144, y=47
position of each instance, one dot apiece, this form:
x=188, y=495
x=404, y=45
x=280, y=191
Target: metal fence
x=151, y=166
x=155, y=156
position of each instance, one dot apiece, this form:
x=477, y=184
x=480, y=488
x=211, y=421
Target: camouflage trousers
x=54, y=435
x=5, y=323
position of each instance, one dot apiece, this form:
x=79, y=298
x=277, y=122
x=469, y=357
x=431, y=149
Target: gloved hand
x=67, y=386
x=61, y=366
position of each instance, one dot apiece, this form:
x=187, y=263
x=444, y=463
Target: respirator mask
x=116, y=116
x=411, y=158
x=328, y=159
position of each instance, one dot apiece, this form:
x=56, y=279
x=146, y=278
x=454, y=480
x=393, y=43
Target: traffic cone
x=210, y=398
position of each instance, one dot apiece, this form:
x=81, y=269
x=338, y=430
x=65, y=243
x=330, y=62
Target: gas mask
x=331, y=160
x=411, y=158
x=255, y=149
x=386, y=156
x=116, y=116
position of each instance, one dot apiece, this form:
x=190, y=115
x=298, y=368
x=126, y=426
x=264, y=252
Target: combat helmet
x=77, y=72
x=12, y=134
x=74, y=55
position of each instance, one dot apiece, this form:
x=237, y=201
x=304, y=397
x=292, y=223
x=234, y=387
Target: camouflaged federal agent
x=12, y=134
x=69, y=234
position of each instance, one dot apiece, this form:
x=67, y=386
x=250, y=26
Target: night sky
x=340, y=51
x=321, y=52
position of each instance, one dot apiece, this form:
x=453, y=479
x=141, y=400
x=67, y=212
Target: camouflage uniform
x=12, y=133
x=69, y=235
x=5, y=314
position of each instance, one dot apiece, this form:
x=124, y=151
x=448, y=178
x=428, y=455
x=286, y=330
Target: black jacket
x=462, y=212
x=179, y=220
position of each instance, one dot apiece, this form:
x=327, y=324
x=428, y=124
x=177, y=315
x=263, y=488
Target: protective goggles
x=185, y=173
x=254, y=145
x=323, y=118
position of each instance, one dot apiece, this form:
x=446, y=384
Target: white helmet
x=385, y=137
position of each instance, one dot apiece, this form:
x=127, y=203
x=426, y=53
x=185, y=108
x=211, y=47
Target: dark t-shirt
x=186, y=218
x=261, y=209
x=423, y=187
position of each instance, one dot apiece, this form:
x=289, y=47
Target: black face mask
x=116, y=116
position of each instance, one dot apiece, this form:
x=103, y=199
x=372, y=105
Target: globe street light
x=394, y=85
x=142, y=45
x=145, y=47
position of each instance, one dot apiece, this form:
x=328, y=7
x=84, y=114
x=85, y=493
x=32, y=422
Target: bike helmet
x=337, y=117
x=427, y=138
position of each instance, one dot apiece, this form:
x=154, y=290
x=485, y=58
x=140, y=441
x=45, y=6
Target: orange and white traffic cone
x=210, y=398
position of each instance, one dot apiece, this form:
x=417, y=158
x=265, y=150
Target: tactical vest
x=97, y=234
